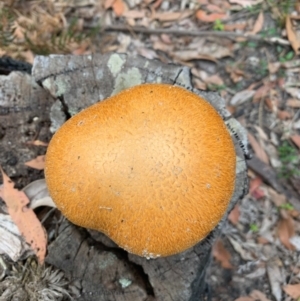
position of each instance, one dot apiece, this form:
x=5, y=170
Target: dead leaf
x=258, y=25
x=134, y=14
x=171, y=16
x=240, y=248
x=291, y=64
x=157, y=4
x=221, y=254
x=37, y=163
x=255, y=190
x=259, y=296
x=205, y=17
x=286, y=230
x=274, y=67
x=12, y=243
x=214, y=8
x=241, y=97
x=283, y=115
x=293, y=290
x=234, y=215
x=24, y=217
x=118, y=7
x=236, y=74
x=258, y=150
x=295, y=241
x=294, y=92
x=275, y=277
x=277, y=198
x=262, y=240
x=214, y=79
x=261, y=92
x=37, y=143
x=245, y=3
x=200, y=84
x=291, y=34
x=235, y=26
x=108, y=4
x=296, y=140
x=293, y=103
x=187, y=55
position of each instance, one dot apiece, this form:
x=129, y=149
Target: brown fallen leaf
x=24, y=217
x=277, y=198
x=37, y=143
x=134, y=14
x=254, y=188
x=293, y=290
x=187, y=55
x=258, y=25
x=241, y=97
x=262, y=92
x=291, y=34
x=286, y=230
x=205, y=17
x=236, y=74
x=222, y=255
x=37, y=163
x=171, y=16
x=259, y=296
x=283, y=115
x=234, y=215
x=294, y=92
x=108, y=4
x=258, y=150
x=296, y=140
x=274, y=67
x=235, y=26
x=214, y=79
x=157, y=4
x=294, y=103
x=118, y=7
x=214, y=8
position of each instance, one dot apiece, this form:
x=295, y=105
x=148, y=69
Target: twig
x=204, y=33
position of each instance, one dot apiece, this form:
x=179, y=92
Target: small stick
x=204, y=33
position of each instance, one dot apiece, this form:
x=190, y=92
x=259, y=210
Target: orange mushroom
x=152, y=167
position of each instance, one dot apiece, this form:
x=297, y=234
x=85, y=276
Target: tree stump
x=104, y=271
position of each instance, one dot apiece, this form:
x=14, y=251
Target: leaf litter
x=24, y=217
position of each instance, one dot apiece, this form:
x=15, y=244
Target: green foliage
x=269, y=32
x=263, y=70
x=290, y=159
x=216, y=88
x=287, y=206
x=254, y=228
x=218, y=25
x=254, y=9
x=287, y=57
x=286, y=6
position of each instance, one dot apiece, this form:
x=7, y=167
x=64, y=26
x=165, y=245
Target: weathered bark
x=105, y=271
x=24, y=117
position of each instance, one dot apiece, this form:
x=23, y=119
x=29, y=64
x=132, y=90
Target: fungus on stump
x=145, y=167
x=155, y=167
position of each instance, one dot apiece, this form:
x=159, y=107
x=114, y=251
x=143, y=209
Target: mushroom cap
x=152, y=167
